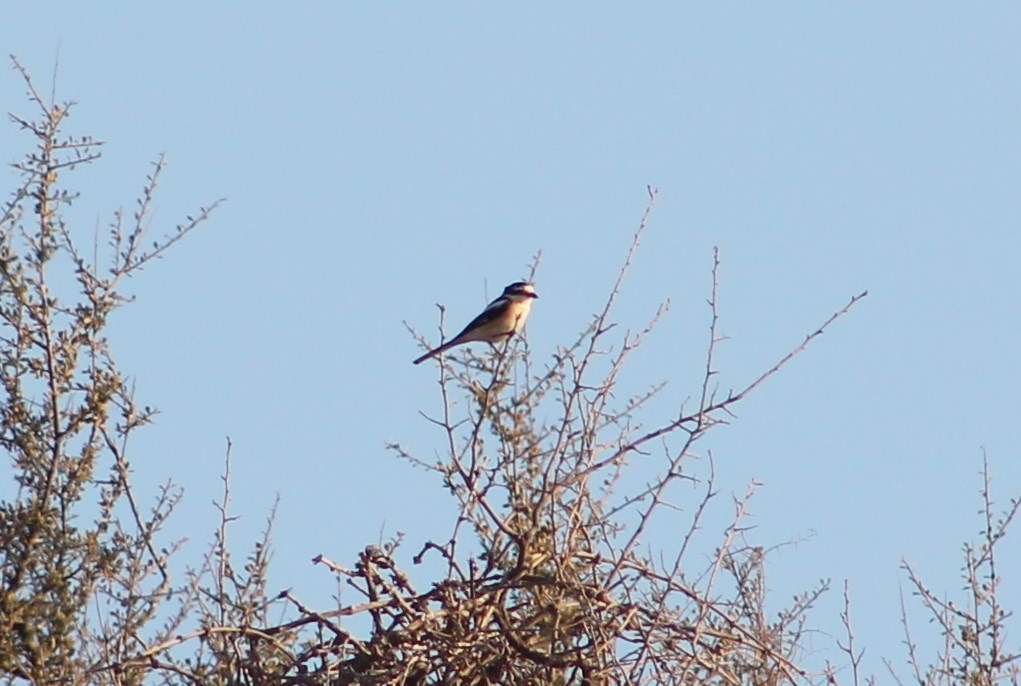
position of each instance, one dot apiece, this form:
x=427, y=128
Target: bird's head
x=520, y=290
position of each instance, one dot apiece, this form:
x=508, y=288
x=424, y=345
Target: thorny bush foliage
x=544, y=576
x=73, y=538
x=561, y=590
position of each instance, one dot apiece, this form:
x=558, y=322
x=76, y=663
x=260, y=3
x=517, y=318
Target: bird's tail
x=436, y=351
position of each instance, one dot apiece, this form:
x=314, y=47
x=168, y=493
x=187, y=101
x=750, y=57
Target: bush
x=543, y=577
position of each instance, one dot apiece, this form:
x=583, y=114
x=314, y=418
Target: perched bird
x=501, y=319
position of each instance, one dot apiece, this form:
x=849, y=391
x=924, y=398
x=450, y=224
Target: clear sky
x=380, y=158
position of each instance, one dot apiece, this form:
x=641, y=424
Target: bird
x=501, y=319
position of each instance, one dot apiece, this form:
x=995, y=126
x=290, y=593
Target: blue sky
x=379, y=159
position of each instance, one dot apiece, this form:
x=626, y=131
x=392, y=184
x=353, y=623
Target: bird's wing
x=493, y=311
